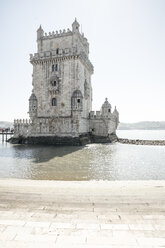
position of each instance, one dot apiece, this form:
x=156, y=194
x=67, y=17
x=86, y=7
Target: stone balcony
x=53, y=54
x=63, y=53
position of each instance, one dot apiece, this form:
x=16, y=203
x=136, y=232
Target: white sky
x=127, y=49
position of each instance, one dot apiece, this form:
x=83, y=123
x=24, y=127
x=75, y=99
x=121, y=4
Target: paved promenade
x=121, y=214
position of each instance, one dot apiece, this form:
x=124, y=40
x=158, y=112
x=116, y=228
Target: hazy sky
x=127, y=49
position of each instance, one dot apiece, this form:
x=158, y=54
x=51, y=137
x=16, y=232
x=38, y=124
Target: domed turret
x=33, y=97
x=106, y=108
x=75, y=26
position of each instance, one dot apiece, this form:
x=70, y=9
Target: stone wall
x=80, y=140
x=71, y=76
x=62, y=126
x=100, y=125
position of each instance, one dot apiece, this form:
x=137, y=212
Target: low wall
x=62, y=141
x=142, y=142
x=104, y=139
x=50, y=140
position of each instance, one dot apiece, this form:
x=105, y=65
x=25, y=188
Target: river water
x=91, y=162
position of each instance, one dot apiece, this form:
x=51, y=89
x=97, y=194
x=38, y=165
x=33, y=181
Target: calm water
x=92, y=162
x=142, y=134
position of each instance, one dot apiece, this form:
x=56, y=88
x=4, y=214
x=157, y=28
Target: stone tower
x=62, y=80
x=61, y=101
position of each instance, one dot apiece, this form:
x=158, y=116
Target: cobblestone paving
x=56, y=214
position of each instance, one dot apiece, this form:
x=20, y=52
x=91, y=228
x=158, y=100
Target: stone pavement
x=119, y=214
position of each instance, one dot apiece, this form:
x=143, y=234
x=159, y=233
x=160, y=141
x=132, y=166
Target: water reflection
x=91, y=162
x=50, y=162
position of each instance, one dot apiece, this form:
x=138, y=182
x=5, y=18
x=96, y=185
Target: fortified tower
x=60, y=105
x=61, y=81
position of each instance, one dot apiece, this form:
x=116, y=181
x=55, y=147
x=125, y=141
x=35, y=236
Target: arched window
x=53, y=67
x=54, y=83
x=54, y=102
x=57, y=51
x=56, y=69
x=77, y=100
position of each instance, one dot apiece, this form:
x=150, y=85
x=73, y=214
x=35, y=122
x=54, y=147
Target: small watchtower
x=106, y=108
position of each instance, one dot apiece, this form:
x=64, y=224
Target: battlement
x=98, y=115
x=55, y=34
x=43, y=36
x=53, y=53
x=22, y=121
x=95, y=115
x=62, y=33
x=62, y=53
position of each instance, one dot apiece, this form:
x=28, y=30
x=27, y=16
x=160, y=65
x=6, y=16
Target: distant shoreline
x=144, y=129
x=142, y=142
x=143, y=125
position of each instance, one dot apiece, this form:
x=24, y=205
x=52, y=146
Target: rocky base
x=142, y=142
x=64, y=141
x=101, y=139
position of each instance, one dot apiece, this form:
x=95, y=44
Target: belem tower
x=60, y=106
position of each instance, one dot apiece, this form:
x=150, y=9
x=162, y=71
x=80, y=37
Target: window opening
x=56, y=67
x=54, y=102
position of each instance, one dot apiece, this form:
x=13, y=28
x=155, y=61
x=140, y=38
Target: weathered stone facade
x=61, y=101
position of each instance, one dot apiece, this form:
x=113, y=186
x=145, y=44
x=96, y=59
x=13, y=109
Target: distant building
x=60, y=106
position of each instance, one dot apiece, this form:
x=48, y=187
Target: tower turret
x=40, y=33
x=32, y=105
x=106, y=108
x=116, y=114
x=75, y=26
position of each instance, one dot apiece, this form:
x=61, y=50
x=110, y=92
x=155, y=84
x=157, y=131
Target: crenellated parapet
x=22, y=127
x=97, y=115
x=94, y=115
x=63, y=54
x=22, y=121
x=60, y=33
x=55, y=34
x=53, y=54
